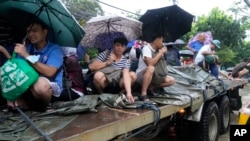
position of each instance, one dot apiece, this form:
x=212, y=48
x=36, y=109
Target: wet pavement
x=234, y=121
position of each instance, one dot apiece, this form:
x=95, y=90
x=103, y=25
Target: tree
x=225, y=28
x=83, y=10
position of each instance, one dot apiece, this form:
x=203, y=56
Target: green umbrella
x=64, y=29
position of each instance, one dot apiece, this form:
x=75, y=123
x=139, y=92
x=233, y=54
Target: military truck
x=196, y=107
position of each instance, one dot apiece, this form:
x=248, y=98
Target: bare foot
x=17, y=103
x=12, y=104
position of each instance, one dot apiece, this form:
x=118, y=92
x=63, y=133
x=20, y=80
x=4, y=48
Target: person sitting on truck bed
x=112, y=69
x=47, y=62
x=241, y=69
x=208, y=50
x=147, y=74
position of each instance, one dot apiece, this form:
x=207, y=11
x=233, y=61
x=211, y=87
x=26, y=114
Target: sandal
x=144, y=98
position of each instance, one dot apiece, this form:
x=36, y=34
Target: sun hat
x=216, y=43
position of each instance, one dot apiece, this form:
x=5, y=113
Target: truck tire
x=224, y=108
x=209, y=124
x=235, y=100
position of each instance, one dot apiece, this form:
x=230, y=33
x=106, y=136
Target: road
x=245, y=95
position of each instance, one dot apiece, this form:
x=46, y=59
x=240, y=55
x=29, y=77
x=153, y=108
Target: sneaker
x=146, y=99
x=152, y=93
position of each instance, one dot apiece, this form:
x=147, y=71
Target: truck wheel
x=209, y=123
x=224, y=109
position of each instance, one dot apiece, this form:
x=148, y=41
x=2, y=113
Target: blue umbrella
x=106, y=40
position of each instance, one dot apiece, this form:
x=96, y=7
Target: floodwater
x=245, y=95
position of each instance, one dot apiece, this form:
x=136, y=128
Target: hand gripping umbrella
x=171, y=21
x=64, y=29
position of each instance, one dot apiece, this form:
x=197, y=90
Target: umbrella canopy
x=64, y=29
x=208, y=38
x=171, y=21
x=100, y=31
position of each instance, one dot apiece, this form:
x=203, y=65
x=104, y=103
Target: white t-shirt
x=200, y=56
x=146, y=52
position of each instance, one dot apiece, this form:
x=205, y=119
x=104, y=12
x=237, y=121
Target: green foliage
x=83, y=10
x=227, y=29
x=92, y=52
x=227, y=56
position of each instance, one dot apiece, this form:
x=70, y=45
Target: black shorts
x=65, y=96
x=41, y=106
x=33, y=103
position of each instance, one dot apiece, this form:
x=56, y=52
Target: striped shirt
x=124, y=63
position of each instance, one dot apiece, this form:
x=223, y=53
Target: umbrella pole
x=28, y=120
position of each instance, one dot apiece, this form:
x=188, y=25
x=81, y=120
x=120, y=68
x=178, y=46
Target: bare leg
x=100, y=81
x=133, y=78
x=42, y=89
x=169, y=81
x=147, y=77
x=242, y=73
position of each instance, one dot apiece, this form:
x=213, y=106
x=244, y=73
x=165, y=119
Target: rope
x=28, y=120
x=157, y=113
x=156, y=110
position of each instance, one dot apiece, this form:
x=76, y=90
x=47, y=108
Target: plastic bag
x=17, y=76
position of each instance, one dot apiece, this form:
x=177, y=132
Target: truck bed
x=107, y=123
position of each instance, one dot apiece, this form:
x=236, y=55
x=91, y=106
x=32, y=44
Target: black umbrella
x=171, y=21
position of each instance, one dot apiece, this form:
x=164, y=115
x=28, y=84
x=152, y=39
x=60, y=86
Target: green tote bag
x=17, y=76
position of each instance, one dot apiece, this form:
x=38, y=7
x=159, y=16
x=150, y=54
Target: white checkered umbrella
x=109, y=27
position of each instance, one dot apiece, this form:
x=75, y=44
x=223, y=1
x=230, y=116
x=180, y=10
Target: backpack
x=135, y=54
x=73, y=77
x=211, y=59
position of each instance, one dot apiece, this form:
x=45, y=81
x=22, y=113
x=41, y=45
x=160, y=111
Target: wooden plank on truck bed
x=109, y=123
x=235, y=83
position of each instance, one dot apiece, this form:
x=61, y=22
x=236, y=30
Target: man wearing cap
x=208, y=50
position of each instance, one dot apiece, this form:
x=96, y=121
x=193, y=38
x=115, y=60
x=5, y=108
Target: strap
x=67, y=80
x=107, y=55
x=29, y=121
x=151, y=106
x=157, y=113
x=31, y=50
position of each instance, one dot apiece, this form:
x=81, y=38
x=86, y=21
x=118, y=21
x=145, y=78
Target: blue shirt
x=51, y=55
x=196, y=45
